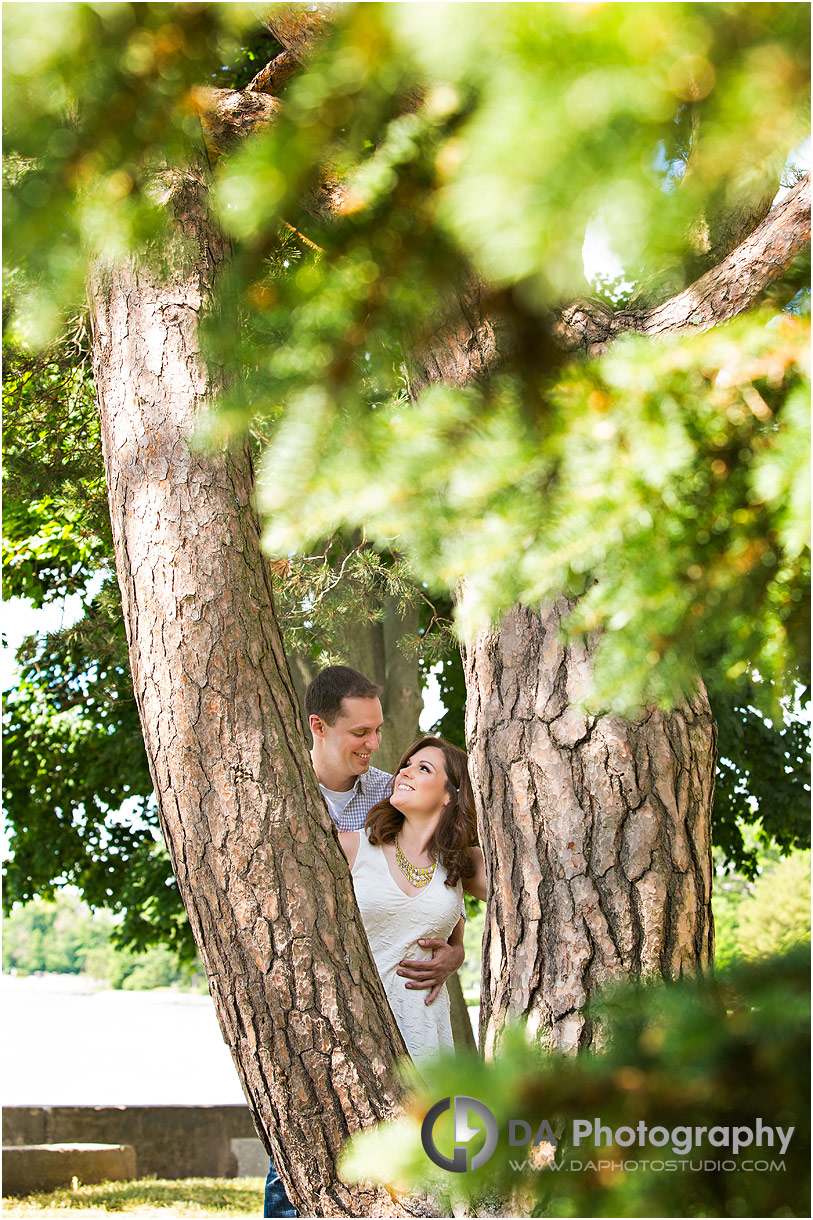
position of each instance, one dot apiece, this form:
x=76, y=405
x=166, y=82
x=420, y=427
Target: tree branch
x=273, y=76
x=722, y=293
x=298, y=27
x=734, y=284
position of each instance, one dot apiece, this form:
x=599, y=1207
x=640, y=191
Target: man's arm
x=447, y=956
x=476, y=884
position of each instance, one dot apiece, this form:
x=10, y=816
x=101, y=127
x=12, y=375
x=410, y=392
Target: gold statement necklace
x=416, y=876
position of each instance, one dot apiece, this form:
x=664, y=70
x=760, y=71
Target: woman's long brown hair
x=456, y=831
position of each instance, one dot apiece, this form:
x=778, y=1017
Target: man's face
x=347, y=745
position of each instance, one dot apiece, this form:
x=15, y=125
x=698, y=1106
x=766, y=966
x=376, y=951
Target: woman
x=409, y=867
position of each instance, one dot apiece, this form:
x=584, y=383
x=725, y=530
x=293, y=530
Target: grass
x=148, y=1197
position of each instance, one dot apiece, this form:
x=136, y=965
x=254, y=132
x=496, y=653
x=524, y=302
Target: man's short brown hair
x=323, y=698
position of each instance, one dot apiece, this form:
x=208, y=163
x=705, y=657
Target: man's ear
x=317, y=725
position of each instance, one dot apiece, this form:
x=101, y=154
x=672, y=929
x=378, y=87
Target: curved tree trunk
x=267, y=890
x=597, y=833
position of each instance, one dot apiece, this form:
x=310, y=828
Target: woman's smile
x=420, y=785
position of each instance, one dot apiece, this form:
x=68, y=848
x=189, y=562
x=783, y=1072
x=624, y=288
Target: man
x=345, y=718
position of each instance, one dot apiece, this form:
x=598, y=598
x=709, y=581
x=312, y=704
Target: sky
x=20, y=619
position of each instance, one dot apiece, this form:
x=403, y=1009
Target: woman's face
x=420, y=785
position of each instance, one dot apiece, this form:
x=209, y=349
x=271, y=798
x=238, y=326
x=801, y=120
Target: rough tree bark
x=598, y=838
x=267, y=890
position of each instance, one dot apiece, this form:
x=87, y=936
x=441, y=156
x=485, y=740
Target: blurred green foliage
x=665, y=483
x=682, y=1055
x=54, y=936
x=640, y=496
x=775, y=916
x=98, y=102
x=768, y=912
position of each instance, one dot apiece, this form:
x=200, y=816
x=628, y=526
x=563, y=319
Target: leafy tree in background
x=763, y=775
x=651, y=484
x=55, y=936
x=775, y=917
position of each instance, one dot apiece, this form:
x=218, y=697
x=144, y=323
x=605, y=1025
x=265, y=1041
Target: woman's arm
x=349, y=843
x=476, y=884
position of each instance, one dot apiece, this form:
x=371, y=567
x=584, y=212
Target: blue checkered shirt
x=371, y=788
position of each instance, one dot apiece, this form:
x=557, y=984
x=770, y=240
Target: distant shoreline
x=83, y=984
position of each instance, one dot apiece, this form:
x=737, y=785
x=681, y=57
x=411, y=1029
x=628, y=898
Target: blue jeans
x=277, y=1202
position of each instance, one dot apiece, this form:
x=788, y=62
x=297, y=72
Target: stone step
x=30, y=1167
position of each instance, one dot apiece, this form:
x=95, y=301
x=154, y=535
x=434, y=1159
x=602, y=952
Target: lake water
x=69, y=1044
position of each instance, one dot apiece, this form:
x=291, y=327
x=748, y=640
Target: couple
x=411, y=844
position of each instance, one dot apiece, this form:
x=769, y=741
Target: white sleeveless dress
x=394, y=921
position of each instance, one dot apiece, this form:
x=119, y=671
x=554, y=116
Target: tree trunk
x=402, y=702
x=374, y=648
x=258, y=865
x=597, y=833
x=462, y=1031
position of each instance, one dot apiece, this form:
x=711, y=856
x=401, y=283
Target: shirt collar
x=363, y=782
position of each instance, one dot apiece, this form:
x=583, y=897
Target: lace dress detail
x=394, y=922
